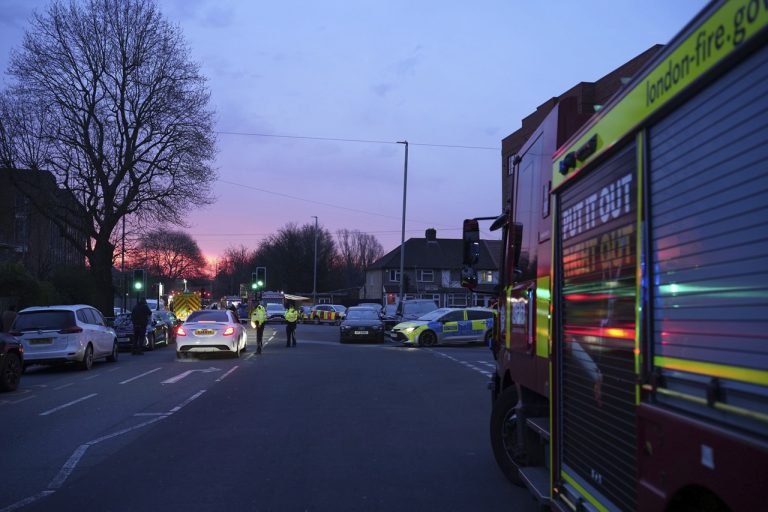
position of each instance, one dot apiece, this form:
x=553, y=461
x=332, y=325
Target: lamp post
x=402, y=232
x=314, y=275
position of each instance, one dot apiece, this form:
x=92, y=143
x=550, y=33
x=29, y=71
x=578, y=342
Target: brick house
x=432, y=271
x=26, y=235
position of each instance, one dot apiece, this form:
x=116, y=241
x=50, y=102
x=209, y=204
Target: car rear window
x=418, y=308
x=44, y=320
x=362, y=314
x=208, y=316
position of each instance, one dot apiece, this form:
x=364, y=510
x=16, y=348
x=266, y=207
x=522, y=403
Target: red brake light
x=180, y=331
x=229, y=331
x=71, y=330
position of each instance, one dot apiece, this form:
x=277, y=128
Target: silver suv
x=58, y=334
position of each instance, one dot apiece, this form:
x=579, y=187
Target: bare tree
x=127, y=126
x=357, y=251
x=289, y=257
x=170, y=255
x=234, y=269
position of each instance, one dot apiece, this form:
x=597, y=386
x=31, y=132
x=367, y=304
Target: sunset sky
x=312, y=97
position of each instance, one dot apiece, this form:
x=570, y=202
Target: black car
x=157, y=332
x=11, y=362
x=361, y=324
x=170, y=321
x=242, y=312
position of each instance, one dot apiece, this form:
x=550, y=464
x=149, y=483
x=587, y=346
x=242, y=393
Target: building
x=432, y=271
x=26, y=235
x=583, y=100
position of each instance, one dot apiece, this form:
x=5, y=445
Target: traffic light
x=261, y=277
x=139, y=277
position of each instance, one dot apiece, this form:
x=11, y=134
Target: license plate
x=204, y=331
x=361, y=332
x=40, y=341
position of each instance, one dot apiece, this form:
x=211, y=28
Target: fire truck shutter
x=708, y=213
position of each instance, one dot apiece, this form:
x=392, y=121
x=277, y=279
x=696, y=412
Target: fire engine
x=632, y=343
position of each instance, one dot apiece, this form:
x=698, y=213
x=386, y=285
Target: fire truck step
x=536, y=479
x=540, y=426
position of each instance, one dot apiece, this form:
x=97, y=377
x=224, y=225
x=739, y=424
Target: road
x=321, y=426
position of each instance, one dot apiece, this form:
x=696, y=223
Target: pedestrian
x=291, y=316
x=9, y=315
x=140, y=315
x=258, y=320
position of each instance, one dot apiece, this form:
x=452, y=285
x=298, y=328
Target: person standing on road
x=9, y=315
x=140, y=315
x=291, y=317
x=258, y=320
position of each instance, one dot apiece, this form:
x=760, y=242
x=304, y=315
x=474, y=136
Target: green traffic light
x=259, y=283
x=254, y=286
x=137, y=285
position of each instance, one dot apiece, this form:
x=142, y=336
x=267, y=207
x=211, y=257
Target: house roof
x=438, y=253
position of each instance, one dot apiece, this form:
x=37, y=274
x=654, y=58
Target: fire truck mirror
x=471, y=239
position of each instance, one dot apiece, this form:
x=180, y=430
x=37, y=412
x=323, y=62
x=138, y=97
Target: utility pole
x=314, y=275
x=402, y=232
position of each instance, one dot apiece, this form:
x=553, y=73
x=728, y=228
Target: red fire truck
x=632, y=342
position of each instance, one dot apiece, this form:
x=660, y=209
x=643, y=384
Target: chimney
x=431, y=235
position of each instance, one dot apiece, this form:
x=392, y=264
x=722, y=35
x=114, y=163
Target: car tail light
x=180, y=331
x=229, y=331
x=71, y=330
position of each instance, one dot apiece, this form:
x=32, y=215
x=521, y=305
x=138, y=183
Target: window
x=425, y=276
x=486, y=276
x=453, y=316
x=474, y=314
x=394, y=275
x=456, y=299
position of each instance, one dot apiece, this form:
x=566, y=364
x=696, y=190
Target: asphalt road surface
x=318, y=427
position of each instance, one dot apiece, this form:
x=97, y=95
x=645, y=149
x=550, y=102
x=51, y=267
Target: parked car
x=328, y=314
x=275, y=312
x=170, y=321
x=242, y=312
x=211, y=331
x=305, y=314
x=65, y=333
x=447, y=325
x=157, y=331
x=361, y=324
x=409, y=309
x=11, y=362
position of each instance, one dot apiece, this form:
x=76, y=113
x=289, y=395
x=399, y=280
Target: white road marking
x=64, y=386
x=73, y=402
x=177, y=378
x=27, y=501
x=140, y=376
x=225, y=375
x=93, y=376
x=469, y=365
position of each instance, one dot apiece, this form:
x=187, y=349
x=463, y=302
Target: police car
x=446, y=325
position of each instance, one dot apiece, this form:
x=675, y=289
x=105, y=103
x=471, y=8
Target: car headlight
x=408, y=330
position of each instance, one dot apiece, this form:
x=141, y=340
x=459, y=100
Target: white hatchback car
x=59, y=334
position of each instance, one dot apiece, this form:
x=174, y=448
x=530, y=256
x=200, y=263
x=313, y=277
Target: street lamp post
x=314, y=275
x=402, y=232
